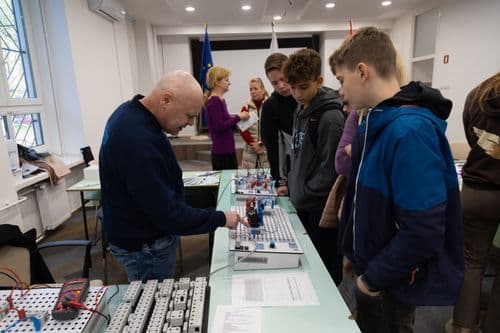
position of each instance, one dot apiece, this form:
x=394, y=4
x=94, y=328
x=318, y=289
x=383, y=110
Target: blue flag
x=206, y=63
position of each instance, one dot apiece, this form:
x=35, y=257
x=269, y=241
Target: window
x=27, y=129
x=15, y=50
x=21, y=118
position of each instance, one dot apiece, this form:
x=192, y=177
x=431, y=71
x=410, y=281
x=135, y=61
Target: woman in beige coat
x=254, y=153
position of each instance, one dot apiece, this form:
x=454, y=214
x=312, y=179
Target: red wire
x=97, y=296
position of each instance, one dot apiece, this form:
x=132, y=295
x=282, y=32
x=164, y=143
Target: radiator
x=53, y=204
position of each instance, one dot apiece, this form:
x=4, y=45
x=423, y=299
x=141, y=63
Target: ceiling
x=222, y=12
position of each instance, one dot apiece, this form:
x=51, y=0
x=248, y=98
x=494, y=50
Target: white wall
x=102, y=66
x=65, y=118
x=147, y=68
x=468, y=33
x=244, y=65
x=331, y=41
x=402, y=38
x=176, y=54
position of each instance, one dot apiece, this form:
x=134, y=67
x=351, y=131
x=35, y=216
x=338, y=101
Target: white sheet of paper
x=282, y=289
x=243, y=125
x=230, y=319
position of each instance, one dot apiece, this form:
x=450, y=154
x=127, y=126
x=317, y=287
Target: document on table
x=200, y=180
x=280, y=289
x=243, y=125
x=230, y=319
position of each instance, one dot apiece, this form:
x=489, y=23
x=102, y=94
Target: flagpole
x=206, y=64
x=274, y=40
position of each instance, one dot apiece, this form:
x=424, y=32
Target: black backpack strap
x=314, y=119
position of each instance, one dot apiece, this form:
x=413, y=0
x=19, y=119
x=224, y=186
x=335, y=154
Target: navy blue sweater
x=141, y=183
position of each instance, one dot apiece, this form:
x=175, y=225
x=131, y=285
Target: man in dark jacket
x=401, y=227
x=317, y=128
x=277, y=122
x=141, y=182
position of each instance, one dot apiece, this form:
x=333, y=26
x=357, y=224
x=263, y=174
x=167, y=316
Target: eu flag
x=206, y=63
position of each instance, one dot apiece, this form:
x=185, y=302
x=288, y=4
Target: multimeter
x=73, y=290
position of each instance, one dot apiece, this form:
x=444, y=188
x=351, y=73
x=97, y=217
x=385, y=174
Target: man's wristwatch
x=367, y=285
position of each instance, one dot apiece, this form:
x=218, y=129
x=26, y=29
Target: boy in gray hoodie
x=317, y=128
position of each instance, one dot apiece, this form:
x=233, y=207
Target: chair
x=20, y=252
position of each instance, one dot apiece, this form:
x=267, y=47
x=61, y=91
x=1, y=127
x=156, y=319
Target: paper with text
x=230, y=319
x=290, y=289
x=243, y=125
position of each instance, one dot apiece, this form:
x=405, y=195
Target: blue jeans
x=153, y=261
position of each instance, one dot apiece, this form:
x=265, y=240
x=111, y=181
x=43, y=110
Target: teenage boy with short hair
x=403, y=231
x=317, y=128
x=276, y=123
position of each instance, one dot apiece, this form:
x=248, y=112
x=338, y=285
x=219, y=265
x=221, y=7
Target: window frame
x=10, y=106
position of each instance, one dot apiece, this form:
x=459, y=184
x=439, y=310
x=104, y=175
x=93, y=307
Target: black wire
x=115, y=293
x=108, y=318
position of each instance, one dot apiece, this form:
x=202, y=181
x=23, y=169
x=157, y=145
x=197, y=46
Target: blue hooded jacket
x=403, y=228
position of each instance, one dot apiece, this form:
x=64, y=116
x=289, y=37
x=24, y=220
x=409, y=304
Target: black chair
x=20, y=252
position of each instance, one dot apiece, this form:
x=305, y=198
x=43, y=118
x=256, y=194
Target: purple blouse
x=343, y=162
x=220, y=125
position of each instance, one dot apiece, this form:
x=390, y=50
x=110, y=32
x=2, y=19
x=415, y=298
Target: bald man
x=141, y=182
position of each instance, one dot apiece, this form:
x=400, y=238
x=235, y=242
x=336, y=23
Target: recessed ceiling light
x=246, y=7
x=189, y=9
x=386, y=3
x=330, y=5
x=277, y=18
x=123, y=12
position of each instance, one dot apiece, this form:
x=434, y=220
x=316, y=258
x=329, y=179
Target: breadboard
x=42, y=301
x=273, y=245
x=256, y=183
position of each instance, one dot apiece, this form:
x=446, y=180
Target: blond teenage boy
x=401, y=227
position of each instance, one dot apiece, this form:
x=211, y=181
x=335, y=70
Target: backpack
x=313, y=124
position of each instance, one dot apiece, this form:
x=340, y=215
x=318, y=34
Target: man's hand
x=282, y=190
x=244, y=115
x=232, y=220
x=364, y=289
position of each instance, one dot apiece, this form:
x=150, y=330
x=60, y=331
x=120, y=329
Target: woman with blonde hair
x=254, y=153
x=480, y=207
x=220, y=122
